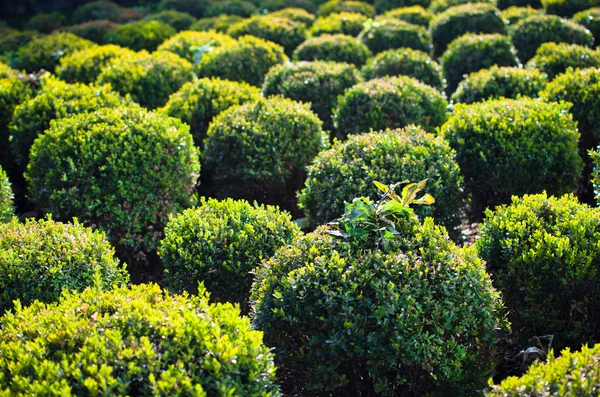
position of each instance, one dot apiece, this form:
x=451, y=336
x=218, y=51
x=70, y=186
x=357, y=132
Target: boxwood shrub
x=509, y=147
x=11, y=41
x=219, y=23
x=417, y=15
x=96, y=10
x=248, y=60
x=242, y=8
x=195, y=8
x=6, y=198
x=542, y=252
x=536, y=30
x=13, y=92
x=554, y=59
x=348, y=23
x=95, y=31
x=274, y=5
x=499, y=82
x=149, y=78
x=46, y=22
x=505, y=4
x=471, y=53
x=192, y=45
x=389, y=102
x=513, y=15
x=295, y=14
x=439, y=6
x=199, y=101
x=590, y=19
x=387, y=34
x=177, y=19
x=40, y=259
x=407, y=62
x=381, y=6
x=260, y=150
x=467, y=18
x=332, y=6
x=130, y=341
x=6, y=71
x=349, y=168
x=282, y=31
x=121, y=170
x=220, y=243
x=318, y=83
x=567, y=8
x=335, y=48
x=141, y=35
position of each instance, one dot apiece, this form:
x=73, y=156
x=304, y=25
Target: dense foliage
x=177, y=19
x=439, y=6
x=335, y=48
x=348, y=23
x=416, y=14
x=554, y=59
x=515, y=14
x=332, y=6
x=96, y=10
x=141, y=35
x=13, y=92
x=295, y=14
x=84, y=66
x=241, y=8
x=282, y=31
x=6, y=198
x=566, y=8
x=219, y=23
x=386, y=34
x=191, y=45
x=95, y=31
x=195, y=8
x=590, y=19
x=46, y=22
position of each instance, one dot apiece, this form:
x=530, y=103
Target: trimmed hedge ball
x=471, y=53
x=192, y=45
x=389, y=102
x=439, y=6
x=536, y=30
x=177, y=19
x=13, y=92
x=295, y=14
x=195, y=8
x=7, y=210
x=134, y=341
x=405, y=62
x=95, y=31
x=554, y=59
x=260, y=150
x=513, y=15
x=282, y=31
x=149, y=78
x=275, y=5
x=248, y=60
x=567, y=8
x=467, y=18
x=121, y=170
x=416, y=14
x=509, y=147
x=199, y=101
x=46, y=22
x=347, y=23
x=590, y=19
x=543, y=254
x=219, y=23
x=332, y=6
x=141, y=35
x=40, y=259
x=387, y=34
x=385, y=6
x=230, y=7
x=349, y=169
x=96, y=10
x=319, y=83
x=335, y=48
x=499, y=82
x=220, y=243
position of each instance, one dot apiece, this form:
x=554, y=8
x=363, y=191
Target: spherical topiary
x=55, y=100
x=439, y=6
x=282, y=31
x=505, y=4
x=248, y=60
x=319, y=83
x=198, y=102
x=406, y=62
x=96, y=10
x=46, y=23
x=84, y=66
x=543, y=254
x=259, y=150
x=141, y=35
x=11, y=41
x=472, y=52
x=554, y=59
x=513, y=15
x=567, y=8
x=192, y=45
x=149, y=78
x=348, y=23
x=499, y=82
x=417, y=15
x=242, y=8
x=295, y=14
x=346, y=6
x=509, y=147
x=348, y=170
x=195, y=8
x=95, y=31
x=389, y=102
x=274, y=5
x=219, y=23
x=45, y=52
x=535, y=30
x=177, y=19
x=40, y=259
x=590, y=19
x=220, y=243
x=6, y=198
x=335, y=48
x=573, y=373
x=122, y=170
x=134, y=341
x=458, y=20
x=387, y=34
x=384, y=6
x=13, y=92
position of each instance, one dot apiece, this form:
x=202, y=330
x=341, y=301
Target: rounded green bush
x=96, y=10
x=40, y=259
x=543, y=254
x=177, y=19
x=134, y=341
x=347, y=23
x=513, y=15
x=417, y=15
x=335, y=48
x=349, y=169
x=85, y=66
x=282, y=31
x=219, y=23
x=248, y=60
x=56, y=99
x=192, y=45
x=318, y=83
x=573, y=373
x=471, y=53
x=6, y=71
x=590, y=19
x=505, y=4
x=567, y=8
x=149, y=78
x=405, y=62
x=196, y=8
x=536, y=30
x=459, y=20
x=13, y=92
x=11, y=41
x=499, y=82
x=242, y=8
x=275, y=5
x=509, y=147
x=45, y=52
x=6, y=198
x=389, y=102
x=295, y=14
x=554, y=59
x=387, y=34
x=122, y=170
x=220, y=243
x=260, y=150
x=199, y=101
x=384, y=6
x=439, y=6
x=95, y=31
x=46, y=22
x=141, y=35
x=332, y=6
